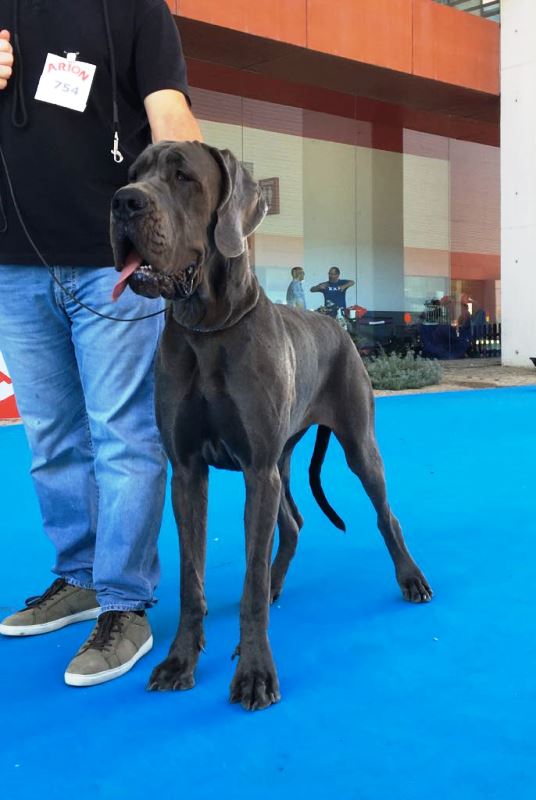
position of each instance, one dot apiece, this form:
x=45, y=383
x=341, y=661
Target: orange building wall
x=281, y=20
x=415, y=37
x=454, y=47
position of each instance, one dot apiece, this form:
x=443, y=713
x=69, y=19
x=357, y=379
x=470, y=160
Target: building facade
x=373, y=126
x=518, y=180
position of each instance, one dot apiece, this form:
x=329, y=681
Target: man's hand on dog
x=6, y=58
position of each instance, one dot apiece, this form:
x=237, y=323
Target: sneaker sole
x=48, y=627
x=75, y=679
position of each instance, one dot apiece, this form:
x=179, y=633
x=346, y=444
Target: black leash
x=44, y=262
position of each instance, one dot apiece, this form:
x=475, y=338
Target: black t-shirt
x=334, y=293
x=60, y=163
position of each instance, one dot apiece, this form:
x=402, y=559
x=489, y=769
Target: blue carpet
x=381, y=700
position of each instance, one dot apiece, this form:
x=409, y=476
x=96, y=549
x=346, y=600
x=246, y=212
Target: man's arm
x=6, y=58
x=346, y=285
x=170, y=117
x=319, y=287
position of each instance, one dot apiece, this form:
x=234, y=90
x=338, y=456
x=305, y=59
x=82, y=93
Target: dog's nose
x=128, y=202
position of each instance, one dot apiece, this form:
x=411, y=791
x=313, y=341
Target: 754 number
x=65, y=87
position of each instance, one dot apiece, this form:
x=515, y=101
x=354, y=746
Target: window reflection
x=411, y=218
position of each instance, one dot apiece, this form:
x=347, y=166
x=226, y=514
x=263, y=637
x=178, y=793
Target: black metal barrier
x=485, y=341
x=388, y=332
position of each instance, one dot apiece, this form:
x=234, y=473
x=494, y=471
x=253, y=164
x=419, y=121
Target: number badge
x=65, y=82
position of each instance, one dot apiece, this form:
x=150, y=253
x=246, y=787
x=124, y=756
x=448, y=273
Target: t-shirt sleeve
x=158, y=53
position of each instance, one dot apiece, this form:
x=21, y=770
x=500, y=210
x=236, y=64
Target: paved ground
x=477, y=373
x=484, y=373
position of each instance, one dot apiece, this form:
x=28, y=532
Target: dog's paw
x=277, y=579
x=172, y=675
x=415, y=588
x=255, y=686
x=275, y=593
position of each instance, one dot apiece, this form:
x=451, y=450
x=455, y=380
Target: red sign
x=8, y=406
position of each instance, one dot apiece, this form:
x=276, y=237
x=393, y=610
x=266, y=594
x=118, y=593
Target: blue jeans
x=85, y=390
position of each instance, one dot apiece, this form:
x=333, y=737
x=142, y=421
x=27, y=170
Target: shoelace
x=108, y=623
x=58, y=586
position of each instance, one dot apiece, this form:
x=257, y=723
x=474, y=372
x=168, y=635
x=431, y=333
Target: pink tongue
x=131, y=265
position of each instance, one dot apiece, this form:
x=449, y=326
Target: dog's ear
x=242, y=206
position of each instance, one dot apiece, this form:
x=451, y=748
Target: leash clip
x=118, y=156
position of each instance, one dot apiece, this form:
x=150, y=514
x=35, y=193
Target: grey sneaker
x=120, y=638
x=61, y=604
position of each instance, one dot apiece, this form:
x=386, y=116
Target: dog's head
x=184, y=202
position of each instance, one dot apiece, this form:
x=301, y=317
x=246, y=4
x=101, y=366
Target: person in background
x=334, y=291
x=464, y=319
x=295, y=293
x=84, y=385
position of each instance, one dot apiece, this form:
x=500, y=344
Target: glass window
x=410, y=218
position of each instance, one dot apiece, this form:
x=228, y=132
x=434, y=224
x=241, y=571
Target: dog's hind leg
x=364, y=460
x=189, y=489
x=255, y=684
x=289, y=523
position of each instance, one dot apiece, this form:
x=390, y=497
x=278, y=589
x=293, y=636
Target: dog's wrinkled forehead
x=194, y=178
x=191, y=158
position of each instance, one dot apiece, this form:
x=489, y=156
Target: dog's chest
x=210, y=426
x=199, y=417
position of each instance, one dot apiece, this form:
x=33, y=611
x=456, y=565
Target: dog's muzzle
x=148, y=281
x=130, y=205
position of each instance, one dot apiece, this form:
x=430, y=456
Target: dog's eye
x=181, y=176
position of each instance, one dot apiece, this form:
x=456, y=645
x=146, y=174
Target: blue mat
x=381, y=700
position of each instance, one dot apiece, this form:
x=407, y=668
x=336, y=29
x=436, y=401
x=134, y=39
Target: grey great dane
x=239, y=381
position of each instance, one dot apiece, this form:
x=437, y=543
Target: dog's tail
x=321, y=445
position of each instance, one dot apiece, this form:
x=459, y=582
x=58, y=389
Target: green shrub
x=402, y=371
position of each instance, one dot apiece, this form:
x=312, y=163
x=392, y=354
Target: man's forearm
x=170, y=117
x=178, y=127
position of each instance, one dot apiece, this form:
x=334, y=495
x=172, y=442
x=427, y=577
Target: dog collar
x=220, y=328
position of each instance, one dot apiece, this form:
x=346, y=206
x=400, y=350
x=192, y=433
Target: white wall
x=426, y=203
x=329, y=223
x=518, y=181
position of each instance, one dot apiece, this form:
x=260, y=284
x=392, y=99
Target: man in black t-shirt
x=83, y=88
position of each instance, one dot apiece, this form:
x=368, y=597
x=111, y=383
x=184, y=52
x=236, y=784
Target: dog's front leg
x=255, y=684
x=189, y=493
